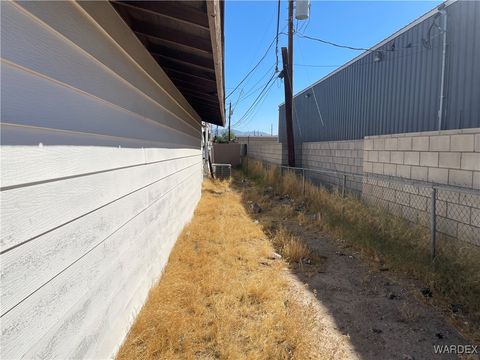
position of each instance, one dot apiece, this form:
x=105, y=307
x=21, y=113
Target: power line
x=255, y=67
x=357, y=63
x=415, y=49
x=391, y=49
x=257, y=99
x=306, y=23
x=259, y=104
x=253, y=90
x=332, y=43
x=249, y=111
x=238, y=100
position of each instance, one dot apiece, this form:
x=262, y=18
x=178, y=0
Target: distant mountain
x=249, y=133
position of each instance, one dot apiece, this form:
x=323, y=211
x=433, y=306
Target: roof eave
x=215, y=11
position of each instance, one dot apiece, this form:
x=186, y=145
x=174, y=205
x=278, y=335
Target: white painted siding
x=100, y=171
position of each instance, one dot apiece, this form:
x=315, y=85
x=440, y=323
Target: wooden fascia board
x=216, y=32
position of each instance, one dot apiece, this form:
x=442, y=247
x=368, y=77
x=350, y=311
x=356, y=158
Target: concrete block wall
x=400, y=170
x=226, y=154
x=264, y=148
x=397, y=172
x=450, y=157
x=342, y=156
x=334, y=156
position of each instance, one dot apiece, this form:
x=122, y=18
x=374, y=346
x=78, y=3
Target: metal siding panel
x=416, y=39
x=463, y=50
x=356, y=104
x=344, y=91
x=475, y=110
x=384, y=96
x=378, y=99
x=357, y=73
x=468, y=67
x=337, y=103
x=402, y=92
x=366, y=118
x=423, y=80
x=361, y=113
x=434, y=75
x=456, y=61
x=405, y=109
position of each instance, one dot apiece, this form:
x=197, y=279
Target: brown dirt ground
x=223, y=296
x=362, y=311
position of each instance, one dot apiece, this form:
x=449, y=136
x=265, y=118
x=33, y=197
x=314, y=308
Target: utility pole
x=229, y=121
x=288, y=108
x=290, y=43
x=287, y=59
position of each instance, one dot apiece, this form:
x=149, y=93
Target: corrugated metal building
x=400, y=92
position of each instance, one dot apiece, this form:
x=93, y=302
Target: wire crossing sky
x=250, y=31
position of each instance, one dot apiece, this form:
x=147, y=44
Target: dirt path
x=381, y=319
x=225, y=294
x=360, y=312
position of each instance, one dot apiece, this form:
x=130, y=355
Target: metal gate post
x=434, y=222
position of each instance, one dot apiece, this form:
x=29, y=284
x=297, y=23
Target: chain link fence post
x=434, y=222
x=344, y=184
x=303, y=182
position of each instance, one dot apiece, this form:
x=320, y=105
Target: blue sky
x=250, y=26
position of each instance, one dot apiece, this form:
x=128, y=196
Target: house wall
x=450, y=157
x=101, y=169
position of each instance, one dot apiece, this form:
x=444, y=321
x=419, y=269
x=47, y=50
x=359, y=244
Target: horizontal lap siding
x=101, y=169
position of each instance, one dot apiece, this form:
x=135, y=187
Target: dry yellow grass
x=403, y=246
x=219, y=296
x=290, y=246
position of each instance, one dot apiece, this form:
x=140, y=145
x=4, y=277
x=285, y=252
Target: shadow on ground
x=381, y=317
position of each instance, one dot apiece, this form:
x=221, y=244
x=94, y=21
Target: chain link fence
x=449, y=213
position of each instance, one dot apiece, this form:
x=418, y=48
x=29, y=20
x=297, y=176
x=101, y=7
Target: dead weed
x=216, y=299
